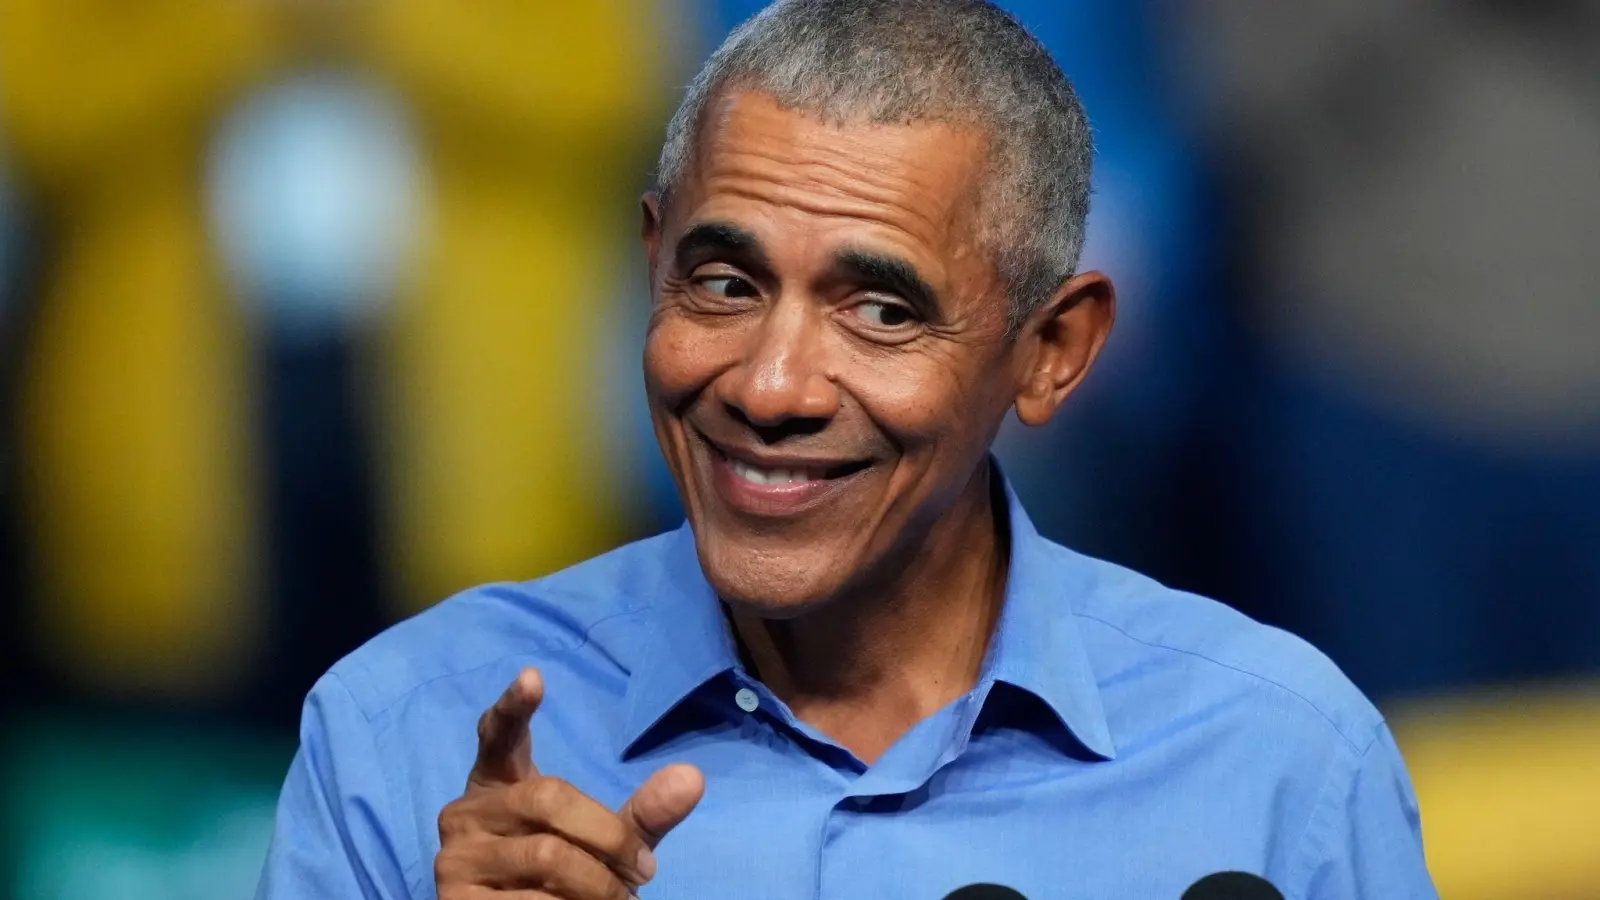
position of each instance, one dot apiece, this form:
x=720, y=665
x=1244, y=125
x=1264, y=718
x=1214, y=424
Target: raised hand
x=519, y=834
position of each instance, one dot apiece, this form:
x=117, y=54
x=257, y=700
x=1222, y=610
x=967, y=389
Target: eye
x=727, y=286
x=885, y=314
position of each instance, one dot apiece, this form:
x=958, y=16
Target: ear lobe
x=1036, y=404
x=1065, y=337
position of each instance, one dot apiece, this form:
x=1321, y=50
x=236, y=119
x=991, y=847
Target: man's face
x=826, y=361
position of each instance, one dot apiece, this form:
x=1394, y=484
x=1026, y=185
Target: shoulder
x=1196, y=651
x=479, y=630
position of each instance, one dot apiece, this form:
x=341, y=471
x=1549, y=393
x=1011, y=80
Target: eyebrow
x=893, y=274
x=890, y=273
x=709, y=238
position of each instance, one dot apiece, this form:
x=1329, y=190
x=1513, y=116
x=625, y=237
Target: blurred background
x=312, y=314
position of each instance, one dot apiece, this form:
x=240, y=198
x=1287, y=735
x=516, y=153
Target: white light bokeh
x=315, y=191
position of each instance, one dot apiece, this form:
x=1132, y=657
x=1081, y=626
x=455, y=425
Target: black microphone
x=1217, y=886
x=1232, y=886
x=984, y=892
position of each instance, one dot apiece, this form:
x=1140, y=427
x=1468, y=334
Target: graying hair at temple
x=962, y=62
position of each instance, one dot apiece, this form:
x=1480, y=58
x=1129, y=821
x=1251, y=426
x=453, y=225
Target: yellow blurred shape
x=1509, y=786
x=135, y=426
x=536, y=119
x=135, y=406
x=553, y=79
x=87, y=85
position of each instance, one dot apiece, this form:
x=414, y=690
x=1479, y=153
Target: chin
x=774, y=585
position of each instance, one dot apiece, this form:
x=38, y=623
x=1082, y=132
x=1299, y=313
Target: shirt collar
x=686, y=640
x=1036, y=645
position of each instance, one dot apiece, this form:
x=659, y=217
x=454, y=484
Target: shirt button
x=747, y=700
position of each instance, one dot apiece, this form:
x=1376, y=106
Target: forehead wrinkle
x=834, y=204
x=855, y=158
x=940, y=236
x=814, y=182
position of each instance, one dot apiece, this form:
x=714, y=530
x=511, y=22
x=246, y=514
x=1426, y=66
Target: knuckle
x=544, y=853
x=452, y=821
x=486, y=730
x=448, y=869
x=548, y=794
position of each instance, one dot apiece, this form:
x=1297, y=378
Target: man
x=858, y=671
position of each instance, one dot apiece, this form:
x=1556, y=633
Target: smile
x=760, y=476
x=777, y=487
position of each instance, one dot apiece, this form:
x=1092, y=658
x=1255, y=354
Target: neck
x=867, y=666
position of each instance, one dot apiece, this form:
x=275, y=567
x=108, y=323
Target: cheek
x=922, y=405
x=679, y=360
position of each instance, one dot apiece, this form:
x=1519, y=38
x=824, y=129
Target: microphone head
x=1232, y=886
x=984, y=892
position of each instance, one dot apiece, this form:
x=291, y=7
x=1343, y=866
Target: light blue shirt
x=1123, y=740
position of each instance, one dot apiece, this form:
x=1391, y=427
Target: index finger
x=505, y=745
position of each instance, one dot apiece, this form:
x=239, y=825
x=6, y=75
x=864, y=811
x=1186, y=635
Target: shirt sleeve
x=332, y=839
x=1364, y=841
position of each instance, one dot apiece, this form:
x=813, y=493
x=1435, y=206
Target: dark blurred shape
x=1416, y=413
x=984, y=892
x=1232, y=886
x=10, y=239
x=14, y=277
x=315, y=195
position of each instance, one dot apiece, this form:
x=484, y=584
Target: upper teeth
x=771, y=476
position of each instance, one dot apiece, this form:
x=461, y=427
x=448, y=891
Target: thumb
x=663, y=801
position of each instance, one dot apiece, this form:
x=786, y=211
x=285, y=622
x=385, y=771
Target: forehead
x=910, y=185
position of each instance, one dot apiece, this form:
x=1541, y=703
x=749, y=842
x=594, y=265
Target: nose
x=781, y=386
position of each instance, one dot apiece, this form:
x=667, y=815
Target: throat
x=867, y=730
x=866, y=669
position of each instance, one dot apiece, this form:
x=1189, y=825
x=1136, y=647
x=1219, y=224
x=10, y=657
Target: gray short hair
x=963, y=62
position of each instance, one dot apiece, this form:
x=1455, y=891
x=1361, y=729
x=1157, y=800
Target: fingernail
x=645, y=863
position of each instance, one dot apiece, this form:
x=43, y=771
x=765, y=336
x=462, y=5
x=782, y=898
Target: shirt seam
x=1242, y=671
x=408, y=870
x=1304, y=860
x=557, y=652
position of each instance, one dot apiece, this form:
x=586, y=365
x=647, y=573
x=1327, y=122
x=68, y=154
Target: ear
x=1059, y=343
x=650, y=231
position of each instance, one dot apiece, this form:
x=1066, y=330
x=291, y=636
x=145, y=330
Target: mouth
x=783, y=475
x=778, y=487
